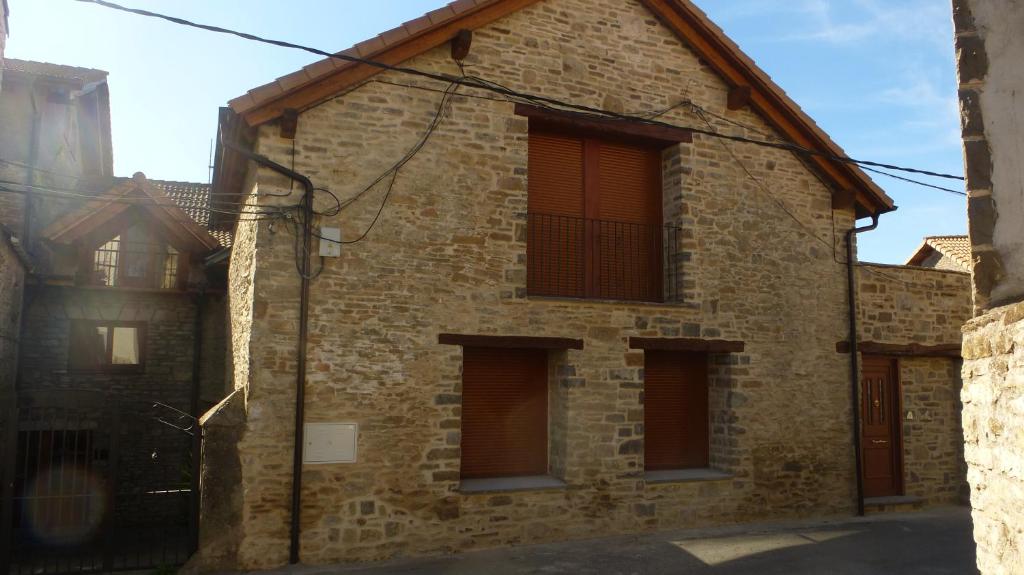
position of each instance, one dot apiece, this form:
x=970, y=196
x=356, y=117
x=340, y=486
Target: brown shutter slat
x=628, y=237
x=675, y=410
x=555, y=244
x=555, y=175
x=629, y=184
x=504, y=412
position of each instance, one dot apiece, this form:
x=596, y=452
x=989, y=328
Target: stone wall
x=449, y=256
x=933, y=447
x=901, y=305
x=904, y=304
x=989, y=49
x=151, y=453
x=993, y=398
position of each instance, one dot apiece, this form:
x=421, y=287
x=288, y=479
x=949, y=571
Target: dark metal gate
x=91, y=486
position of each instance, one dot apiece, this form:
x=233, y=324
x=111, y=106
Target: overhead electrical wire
x=476, y=82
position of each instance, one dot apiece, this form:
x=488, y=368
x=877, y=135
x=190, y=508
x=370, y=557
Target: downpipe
x=854, y=356
x=300, y=376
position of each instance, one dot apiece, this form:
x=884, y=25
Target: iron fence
x=95, y=488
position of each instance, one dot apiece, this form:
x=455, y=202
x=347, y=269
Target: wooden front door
x=881, y=439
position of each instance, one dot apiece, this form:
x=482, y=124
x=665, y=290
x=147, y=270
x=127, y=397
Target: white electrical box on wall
x=330, y=443
x=330, y=242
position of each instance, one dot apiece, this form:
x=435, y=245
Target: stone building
x=944, y=253
x=120, y=332
x=989, y=49
x=545, y=323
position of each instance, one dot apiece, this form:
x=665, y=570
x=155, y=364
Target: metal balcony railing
x=576, y=257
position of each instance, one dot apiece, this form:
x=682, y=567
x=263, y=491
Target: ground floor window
x=106, y=346
x=675, y=410
x=504, y=412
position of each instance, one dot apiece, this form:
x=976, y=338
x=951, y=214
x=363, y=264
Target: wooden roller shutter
x=627, y=235
x=555, y=242
x=675, y=410
x=504, y=412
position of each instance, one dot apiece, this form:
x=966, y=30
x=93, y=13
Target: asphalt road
x=934, y=542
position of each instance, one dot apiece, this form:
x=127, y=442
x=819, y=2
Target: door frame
x=893, y=363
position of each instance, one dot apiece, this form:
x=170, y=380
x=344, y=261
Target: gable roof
x=128, y=194
x=956, y=248
x=322, y=80
x=195, y=200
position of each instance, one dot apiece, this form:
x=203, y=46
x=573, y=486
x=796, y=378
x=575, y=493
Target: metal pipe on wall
x=300, y=377
x=854, y=359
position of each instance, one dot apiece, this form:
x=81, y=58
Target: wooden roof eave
x=309, y=94
x=697, y=32
x=314, y=84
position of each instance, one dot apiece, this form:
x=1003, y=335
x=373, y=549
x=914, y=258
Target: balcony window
x=595, y=219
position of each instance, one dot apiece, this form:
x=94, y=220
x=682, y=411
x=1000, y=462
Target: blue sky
x=877, y=75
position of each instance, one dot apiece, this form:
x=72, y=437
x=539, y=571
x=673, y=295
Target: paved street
x=933, y=542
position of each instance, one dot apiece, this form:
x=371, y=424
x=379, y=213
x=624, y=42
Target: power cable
x=476, y=82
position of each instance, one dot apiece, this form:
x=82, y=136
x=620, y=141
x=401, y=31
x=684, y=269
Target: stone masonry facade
x=993, y=397
x=923, y=306
x=988, y=53
x=449, y=256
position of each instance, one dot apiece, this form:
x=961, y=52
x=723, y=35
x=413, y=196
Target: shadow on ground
x=934, y=542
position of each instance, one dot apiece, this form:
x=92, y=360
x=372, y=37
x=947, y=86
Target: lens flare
x=65, y=505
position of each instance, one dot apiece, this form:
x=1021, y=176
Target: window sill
x=505, y=484
x=686, y=475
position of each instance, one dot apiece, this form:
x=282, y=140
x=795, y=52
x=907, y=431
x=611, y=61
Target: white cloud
x=868, y=19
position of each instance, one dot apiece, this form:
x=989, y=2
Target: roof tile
x=371, y=46
x=460, y=6
x=265, y=91
x=394, y=35
x=440, y=15
x=319, y=68
x=418, y=25
x=293, y=80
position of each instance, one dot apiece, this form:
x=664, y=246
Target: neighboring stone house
x=989, y=49
x=944, y=253
x=554, y=325
x=124, y=286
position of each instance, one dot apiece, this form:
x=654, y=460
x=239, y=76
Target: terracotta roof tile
x=958, y=248
x=417, y=25
x=319, y=68
x=367, y=47
x=394, y=35
x=440, y=15
x=293, y=80
x=194, y=200
x=460, y=6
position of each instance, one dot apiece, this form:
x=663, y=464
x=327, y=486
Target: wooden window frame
x=109, y=367
x=89, y=248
